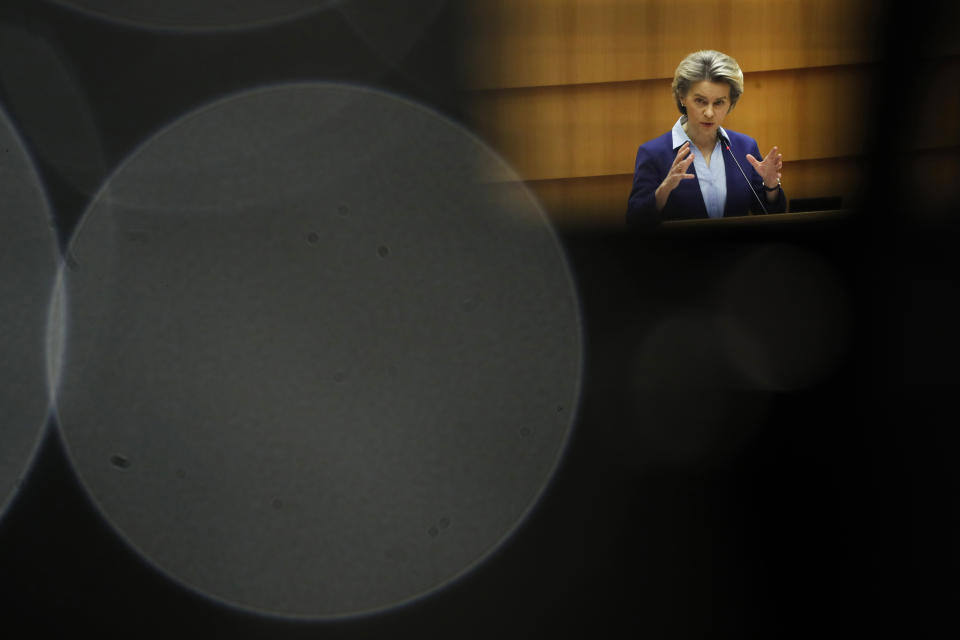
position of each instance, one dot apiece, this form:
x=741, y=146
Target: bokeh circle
x=322, y=350
x=28, y=266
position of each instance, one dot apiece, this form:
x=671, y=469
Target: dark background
x=837, y=514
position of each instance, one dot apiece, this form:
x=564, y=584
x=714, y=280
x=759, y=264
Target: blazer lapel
x=735, y=185
x=740, y=200
x=690, y=196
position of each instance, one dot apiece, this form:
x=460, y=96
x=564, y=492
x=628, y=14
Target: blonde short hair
x=711, y=66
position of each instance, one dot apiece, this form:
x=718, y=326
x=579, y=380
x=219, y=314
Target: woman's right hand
x=678, y=172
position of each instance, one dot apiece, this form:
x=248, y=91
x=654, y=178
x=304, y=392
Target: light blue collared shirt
x=712, y=179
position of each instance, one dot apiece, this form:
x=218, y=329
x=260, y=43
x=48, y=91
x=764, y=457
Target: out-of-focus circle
x=322, y=350
x=784, y=317
x=51, y=111
x=28, y=265
x=392, y=29
x=197, y=14
x=690, y=407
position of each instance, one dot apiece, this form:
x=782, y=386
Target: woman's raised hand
x=678, y=172
x=770, y=168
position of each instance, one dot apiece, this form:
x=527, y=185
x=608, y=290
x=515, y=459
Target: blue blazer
x=654, y=159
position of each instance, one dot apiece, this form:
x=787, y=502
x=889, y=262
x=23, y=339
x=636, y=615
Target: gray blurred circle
x=51, y=110
x=784, y=317
x=322, y=350
x=191, y=15
x=392, y=29
x=690, y=406
x=28, y=265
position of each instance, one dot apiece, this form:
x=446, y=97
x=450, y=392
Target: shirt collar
x=680, y=136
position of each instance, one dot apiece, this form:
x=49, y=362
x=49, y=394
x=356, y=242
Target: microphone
x=726, y=143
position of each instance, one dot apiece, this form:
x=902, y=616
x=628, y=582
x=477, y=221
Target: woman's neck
x=704, y=143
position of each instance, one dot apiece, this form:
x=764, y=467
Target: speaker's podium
x=759, y=220
x=803, y=212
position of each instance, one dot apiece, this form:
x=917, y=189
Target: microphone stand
x=726, y=144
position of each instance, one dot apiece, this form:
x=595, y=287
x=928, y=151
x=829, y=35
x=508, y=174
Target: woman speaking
x=699, y=169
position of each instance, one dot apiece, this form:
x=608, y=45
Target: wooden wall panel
x=827, y=177
x=573, y=131
x=522, y=43
x=593, y=130
x=599, y=201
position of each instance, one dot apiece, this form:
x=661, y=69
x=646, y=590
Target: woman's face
x=707, y=105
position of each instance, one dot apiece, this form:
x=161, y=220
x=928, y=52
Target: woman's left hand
x=770, y=168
